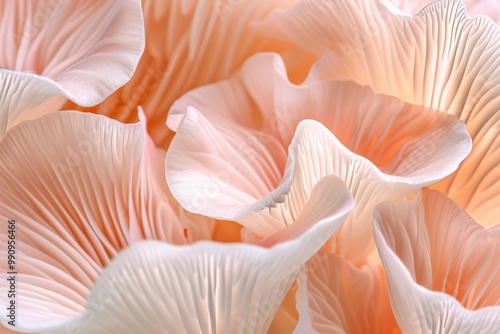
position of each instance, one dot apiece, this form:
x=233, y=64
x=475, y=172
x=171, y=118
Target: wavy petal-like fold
x=224, y=164
x=442, y=268
x=190, y=44
x=80, y=187
x=206, y=287
x=440, y=59
x=73, y=49
x=473, y=7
